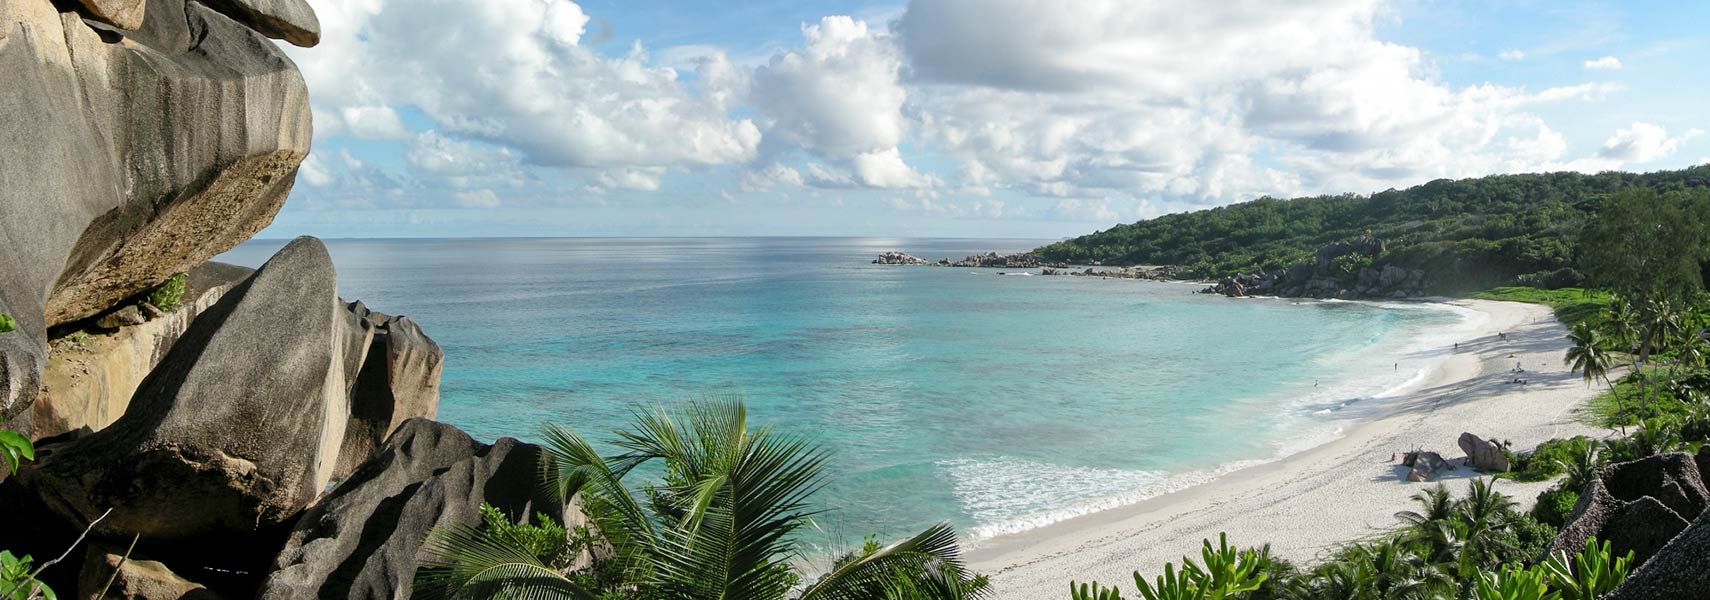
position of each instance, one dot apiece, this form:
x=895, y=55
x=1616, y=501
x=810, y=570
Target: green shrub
x=549, y=542
x=1554, y=506
x=1546, y=461
x=15, y=448
x=16, y=582
x=1533, y=535
x=6, y=323
x=169, y=295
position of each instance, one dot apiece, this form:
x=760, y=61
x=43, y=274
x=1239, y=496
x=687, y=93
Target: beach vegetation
x=1223, y=572
x=1477, y=545
x=1550, y=458
x=1555, y=505
x=1572, y=305
x=169, y=295
x=724, y=522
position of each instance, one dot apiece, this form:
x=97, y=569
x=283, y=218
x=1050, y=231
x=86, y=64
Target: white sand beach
x=1334, y=493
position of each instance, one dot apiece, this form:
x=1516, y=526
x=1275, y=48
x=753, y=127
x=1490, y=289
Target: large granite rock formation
x=1677, y=571
x=89, y=379
x=139, y=142
x=363, y=539
x=1482, y=454
x=399, y=380
x=1637, y=506
x=238, y=428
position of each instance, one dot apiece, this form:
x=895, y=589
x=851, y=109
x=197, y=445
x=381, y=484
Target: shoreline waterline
x=1324, y=415
x=1332, y=492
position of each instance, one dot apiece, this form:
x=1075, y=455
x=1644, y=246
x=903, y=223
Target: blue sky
x=966, y=118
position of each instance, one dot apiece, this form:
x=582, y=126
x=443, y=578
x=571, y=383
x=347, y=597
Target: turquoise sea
x=999, y=403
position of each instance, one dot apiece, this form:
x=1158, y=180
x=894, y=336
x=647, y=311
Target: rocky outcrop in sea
x=262, y=437
x=987, y=260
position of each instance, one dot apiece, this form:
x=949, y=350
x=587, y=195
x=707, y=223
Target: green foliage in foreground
x=169, y=295
x=18, y=582
x=1382, y=569
x=723, y=523
x=1468, y=234
x=1473, y=546
x=15, y=448
x=1226, y=573
x=7, y=324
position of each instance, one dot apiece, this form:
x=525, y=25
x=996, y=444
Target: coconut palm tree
x=1589, y=356
x=723, y=524
x=1657, y=322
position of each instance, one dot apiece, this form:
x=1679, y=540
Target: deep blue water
x=996, y=402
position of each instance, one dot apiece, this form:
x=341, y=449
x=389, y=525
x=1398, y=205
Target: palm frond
x=931, y=559
x=459, y=562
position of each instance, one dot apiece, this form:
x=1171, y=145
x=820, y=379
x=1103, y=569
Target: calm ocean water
x=996, y=402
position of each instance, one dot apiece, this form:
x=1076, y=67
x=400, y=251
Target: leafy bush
x=169, y=295
x=1591, y=573
x=7, y=324
x=1514, y=583
x=548, y=542
x=1548, y=459
x=16, y=580
x=1555, y=505
x=1227, y=573
x=1532, y=535
x=15, y=448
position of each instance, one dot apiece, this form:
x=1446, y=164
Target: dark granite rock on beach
x=1424, y=465
x=1482, y=454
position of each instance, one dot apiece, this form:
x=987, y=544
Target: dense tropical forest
x=1467, y=234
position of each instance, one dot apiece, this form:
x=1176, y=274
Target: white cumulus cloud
x=1607, y=63
x=1638, y=143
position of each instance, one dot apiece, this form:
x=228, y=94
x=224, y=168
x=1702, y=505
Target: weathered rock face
x=1424, y=465
x=238, y=428
x=289, y=20
x=363, y=539
x=399, y=380
x=129, y=154
x=136, y=579
x=1482, y=454
x=1637, y=506
x=1676, y=571
x=88, y=383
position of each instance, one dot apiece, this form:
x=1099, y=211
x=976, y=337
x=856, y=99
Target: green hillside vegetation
x=1467, y=234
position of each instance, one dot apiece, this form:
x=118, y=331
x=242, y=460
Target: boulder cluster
x=1339, y=270
x=1658, y=508
x=263, y=438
